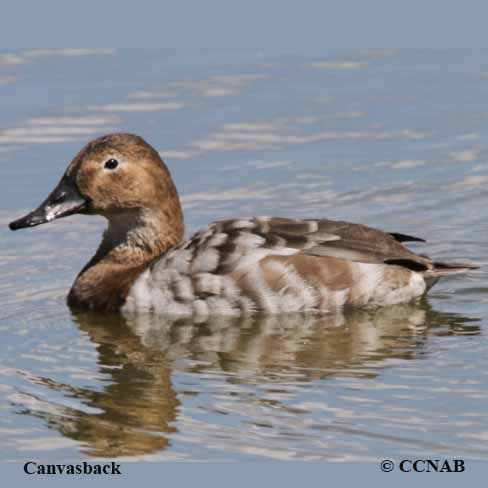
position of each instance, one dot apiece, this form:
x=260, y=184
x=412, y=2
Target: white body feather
x=201, y=278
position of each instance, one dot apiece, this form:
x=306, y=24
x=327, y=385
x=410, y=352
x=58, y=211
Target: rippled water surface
x=393, y=139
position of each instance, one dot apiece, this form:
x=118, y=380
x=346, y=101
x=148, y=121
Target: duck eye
x=111, y=164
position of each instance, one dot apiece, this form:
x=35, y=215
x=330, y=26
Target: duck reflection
x=134, y=408
x=135, y=411
x=314, y=345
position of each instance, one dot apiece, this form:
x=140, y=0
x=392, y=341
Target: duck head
x=118, y=176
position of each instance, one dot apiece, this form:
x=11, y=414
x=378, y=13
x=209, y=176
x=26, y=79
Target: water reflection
x=134, y=405
x=134, y=412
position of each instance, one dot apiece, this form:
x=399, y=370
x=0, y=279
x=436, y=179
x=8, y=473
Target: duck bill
x=64, y=200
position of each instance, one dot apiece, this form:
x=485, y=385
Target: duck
x=239, y=266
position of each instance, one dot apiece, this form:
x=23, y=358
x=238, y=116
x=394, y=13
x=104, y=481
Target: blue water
x=394, y=139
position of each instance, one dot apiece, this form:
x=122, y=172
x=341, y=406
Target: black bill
x=64, y=200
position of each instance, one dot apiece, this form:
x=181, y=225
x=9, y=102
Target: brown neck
x=132, y=240
x=137, y=237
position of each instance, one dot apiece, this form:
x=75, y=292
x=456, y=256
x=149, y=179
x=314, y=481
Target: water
x=393, y=139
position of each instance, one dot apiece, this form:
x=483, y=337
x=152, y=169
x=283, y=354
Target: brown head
x=121, y=177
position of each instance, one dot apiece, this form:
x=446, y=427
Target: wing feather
x=337, y=239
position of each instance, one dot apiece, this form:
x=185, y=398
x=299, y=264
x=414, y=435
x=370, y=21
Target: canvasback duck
x=246, y=265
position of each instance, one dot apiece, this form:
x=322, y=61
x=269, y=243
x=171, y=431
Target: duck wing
x=312, y=237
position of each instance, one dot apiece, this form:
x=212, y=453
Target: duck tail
x=445, y=269
x=438, y=270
